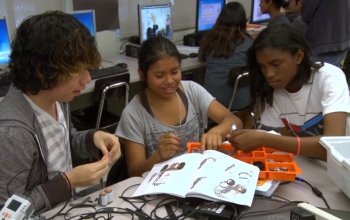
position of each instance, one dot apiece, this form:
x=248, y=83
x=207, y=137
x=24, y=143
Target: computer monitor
x=207, y=12
x=5, y=47
x=256, y=17
x=155, y=20
x=87, y=18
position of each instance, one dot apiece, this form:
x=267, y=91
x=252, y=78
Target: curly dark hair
x=280, y=37
x=228, y=32
x=48, y=49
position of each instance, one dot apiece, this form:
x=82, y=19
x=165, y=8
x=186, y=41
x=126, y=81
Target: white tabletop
x=186, y=64
x=315, y=172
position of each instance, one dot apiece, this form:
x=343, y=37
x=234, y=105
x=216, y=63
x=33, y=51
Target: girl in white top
x=305, y=100
x=168, y=113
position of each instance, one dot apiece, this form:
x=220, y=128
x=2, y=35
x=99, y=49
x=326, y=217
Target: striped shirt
x=57, y=142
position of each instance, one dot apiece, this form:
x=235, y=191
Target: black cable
x=7, y=187
x=280, y=197
x=160, y=205
x=292, y=203
x=208, y=204
x=138, y=210
x=120, y=48
x=317, y=192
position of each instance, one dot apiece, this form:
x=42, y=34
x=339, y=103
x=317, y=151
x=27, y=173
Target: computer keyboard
x=109, y=71
x=183, y=56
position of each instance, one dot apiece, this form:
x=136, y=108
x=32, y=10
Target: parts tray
x=266, y=156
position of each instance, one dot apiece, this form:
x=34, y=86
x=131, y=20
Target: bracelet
x=67, y=180
x=298, y=150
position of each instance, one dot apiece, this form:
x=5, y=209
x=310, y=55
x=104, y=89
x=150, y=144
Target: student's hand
x=108, y=144
x=88, y=174
x=169, y=144
x=211, y=140
x=246, y=140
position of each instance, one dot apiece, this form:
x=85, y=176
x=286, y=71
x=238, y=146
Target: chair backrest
x=110, y=87
x=234, y=73
x=238, y=76
x=115, y=93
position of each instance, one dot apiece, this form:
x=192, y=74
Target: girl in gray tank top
x=157, y=124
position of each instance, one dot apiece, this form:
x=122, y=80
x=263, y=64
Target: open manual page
x=212, y=175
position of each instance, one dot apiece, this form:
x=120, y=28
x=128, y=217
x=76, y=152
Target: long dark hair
x=228, y=32
x=153, y=50
x=279, y=37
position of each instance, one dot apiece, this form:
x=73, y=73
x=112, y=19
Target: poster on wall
x=106, y=12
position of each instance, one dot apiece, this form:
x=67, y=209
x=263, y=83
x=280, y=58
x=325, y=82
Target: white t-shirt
x=302, y=112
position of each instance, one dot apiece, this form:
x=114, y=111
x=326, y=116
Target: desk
x=315, y=172
x=186, y=64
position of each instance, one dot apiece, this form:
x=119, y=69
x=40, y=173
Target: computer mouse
x=193, y=55
x=124, y=65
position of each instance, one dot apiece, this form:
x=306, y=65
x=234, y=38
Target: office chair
x=97, y=116
x=239, y=76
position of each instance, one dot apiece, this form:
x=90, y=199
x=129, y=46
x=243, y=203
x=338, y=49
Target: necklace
x=178, y=101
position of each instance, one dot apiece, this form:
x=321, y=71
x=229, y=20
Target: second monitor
x=87, y=18
x=155, y=20
x=5, y=47
x=255, y=14
x=207, y=11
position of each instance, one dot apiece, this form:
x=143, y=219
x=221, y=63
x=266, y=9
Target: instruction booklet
x=211, y=175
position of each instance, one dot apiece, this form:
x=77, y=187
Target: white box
x=338, y=161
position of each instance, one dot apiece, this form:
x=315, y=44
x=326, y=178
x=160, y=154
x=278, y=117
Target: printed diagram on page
x=229, y=187
x=205, y=160
x=228, y=169
x=197, y=181
x=165, y=173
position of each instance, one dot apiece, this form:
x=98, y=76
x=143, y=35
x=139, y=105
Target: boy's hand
x=88, y=174
x=108, y=144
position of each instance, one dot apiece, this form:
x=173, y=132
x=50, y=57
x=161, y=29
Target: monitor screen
x=87, y=18
x=207, y=12
x=256, y=16
x=155, y=20
x=5, y=47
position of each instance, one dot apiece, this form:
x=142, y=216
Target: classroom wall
x=109, y=43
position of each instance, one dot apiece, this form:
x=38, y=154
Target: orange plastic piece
x=265, y=155
x=103, y=192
